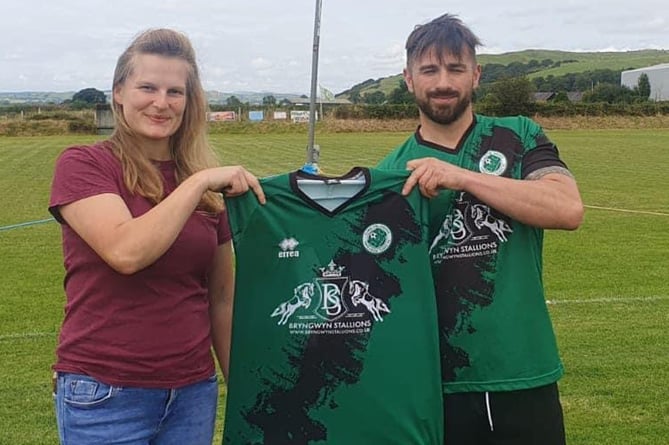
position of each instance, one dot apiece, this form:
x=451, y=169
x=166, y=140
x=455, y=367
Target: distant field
x=581, y=61
x=578, y=63
x=606, y=283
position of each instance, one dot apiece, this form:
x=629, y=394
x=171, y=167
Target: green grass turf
x=607, y=282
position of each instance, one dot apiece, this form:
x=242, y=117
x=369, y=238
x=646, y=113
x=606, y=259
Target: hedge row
x=547, y=109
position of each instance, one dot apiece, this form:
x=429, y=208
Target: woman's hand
x=233, y=181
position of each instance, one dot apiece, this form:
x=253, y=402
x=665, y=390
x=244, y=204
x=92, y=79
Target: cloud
x=261, y=64
x=267, y=45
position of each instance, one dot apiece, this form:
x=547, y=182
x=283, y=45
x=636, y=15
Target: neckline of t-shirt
x=163, y=165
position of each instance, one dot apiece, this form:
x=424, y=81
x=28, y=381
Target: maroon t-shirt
x=150, y=329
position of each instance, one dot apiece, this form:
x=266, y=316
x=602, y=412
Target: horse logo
x=359, y=291
x=483, y=218
x=454, y=228
x=301, y=298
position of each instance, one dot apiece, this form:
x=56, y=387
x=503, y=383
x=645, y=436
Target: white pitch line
x=642, y=212
x=610, y=300
x=24, y=335
x=26, y=224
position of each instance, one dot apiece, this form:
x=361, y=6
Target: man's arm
x=549, y=201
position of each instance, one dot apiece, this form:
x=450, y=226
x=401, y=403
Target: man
x=496, y=183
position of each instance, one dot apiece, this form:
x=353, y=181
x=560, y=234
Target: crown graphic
x=332, y=270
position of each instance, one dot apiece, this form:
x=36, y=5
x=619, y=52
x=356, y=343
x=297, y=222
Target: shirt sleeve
x=240, y=210
x=80, y=173
x=224, y=233
x=544, y=154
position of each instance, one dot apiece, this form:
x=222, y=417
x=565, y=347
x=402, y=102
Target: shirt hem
x=503, y=385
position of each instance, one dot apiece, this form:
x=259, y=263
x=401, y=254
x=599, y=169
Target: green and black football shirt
x=335, y=337
x=496, y=333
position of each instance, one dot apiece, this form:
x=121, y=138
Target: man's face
x=443, y=88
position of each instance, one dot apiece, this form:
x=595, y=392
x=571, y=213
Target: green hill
x=571, y=62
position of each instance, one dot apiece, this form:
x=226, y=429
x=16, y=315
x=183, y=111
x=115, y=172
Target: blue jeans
x=91, y=412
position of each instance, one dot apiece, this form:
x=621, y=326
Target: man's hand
x=432, y=175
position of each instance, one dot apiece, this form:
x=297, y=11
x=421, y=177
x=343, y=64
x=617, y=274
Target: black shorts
x=526, y=417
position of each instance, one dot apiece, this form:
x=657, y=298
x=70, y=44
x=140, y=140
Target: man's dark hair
x=446, y=33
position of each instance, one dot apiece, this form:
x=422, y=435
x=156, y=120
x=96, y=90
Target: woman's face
x=153, y=97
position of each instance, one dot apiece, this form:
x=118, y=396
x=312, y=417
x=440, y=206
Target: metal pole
x=313, y=150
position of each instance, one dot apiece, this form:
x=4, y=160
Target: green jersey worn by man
x=335, y=337
x=495, y=326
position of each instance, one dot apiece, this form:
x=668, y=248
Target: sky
x=267, y=45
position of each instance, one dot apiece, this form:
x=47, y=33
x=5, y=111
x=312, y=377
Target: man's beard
x=444, y=115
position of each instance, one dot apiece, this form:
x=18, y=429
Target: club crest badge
x=493, y=163
x=377, y=238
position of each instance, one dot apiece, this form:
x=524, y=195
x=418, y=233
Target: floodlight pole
x=313, y=150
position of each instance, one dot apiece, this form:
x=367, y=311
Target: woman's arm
x=130, y=244
x=221, y=296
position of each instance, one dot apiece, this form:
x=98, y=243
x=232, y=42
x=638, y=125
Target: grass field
x=573, y=62
x=607, y=283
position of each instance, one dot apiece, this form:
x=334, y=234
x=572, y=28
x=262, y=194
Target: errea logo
x=288, y=246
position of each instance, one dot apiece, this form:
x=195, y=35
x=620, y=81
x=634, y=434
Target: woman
x=148, y=260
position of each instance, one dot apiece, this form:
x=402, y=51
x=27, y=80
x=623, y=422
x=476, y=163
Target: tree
x=643, y=86
x=375, y=98
x=609, y=93
x=233, y=102
x=583, y=81
x=355, y=97
x=401, y=94
x=269, y=101
x=89, y=96
x=561, y=96
x=511, y=96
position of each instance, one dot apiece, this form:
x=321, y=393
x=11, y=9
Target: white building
x=658, y=76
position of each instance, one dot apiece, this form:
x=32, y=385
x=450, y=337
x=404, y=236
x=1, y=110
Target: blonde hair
x=189, y=145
